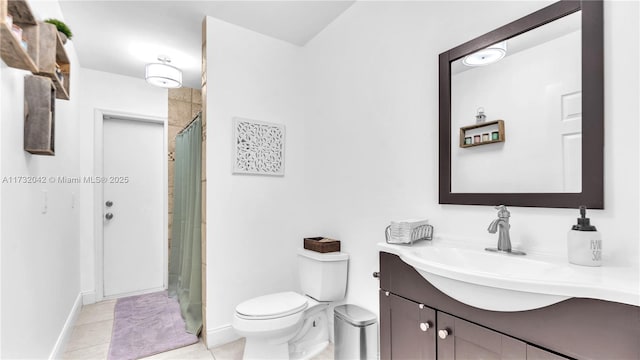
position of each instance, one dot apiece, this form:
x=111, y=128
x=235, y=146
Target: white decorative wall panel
x=258, y=147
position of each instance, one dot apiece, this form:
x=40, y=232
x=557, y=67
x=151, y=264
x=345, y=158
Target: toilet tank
x=323, y=276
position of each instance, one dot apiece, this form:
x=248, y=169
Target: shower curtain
x=185, y=269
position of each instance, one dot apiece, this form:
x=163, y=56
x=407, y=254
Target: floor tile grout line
x=92, y=345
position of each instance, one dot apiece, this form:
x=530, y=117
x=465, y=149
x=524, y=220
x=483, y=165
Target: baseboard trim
x=88, y=297
x=67, y=329
x=220, y=336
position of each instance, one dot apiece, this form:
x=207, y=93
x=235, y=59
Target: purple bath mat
x=145, y=325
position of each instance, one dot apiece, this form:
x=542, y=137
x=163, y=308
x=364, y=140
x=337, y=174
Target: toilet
x=288, y=325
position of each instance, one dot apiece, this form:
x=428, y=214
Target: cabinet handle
x=421, y=306
x=425, y=326
x=386, y=293
x=444, y=333
x=376, y=274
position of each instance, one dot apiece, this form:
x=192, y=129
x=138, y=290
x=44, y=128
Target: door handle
x=108, y=216
x=109, y=203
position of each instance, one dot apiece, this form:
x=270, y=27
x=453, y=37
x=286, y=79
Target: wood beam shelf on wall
x=53, y=61
x=39, y=115
x=18, y=51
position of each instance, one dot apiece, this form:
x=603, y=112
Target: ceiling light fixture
x=487, y=55
x=162, y=74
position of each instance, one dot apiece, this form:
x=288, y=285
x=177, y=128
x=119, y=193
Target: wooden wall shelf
x=39, y=115
x=11, y=50
x=52, y=56
x=482, y=129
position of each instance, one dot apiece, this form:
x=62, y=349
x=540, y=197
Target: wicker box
x=321, y=244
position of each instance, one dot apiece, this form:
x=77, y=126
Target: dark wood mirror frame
x=592, y=194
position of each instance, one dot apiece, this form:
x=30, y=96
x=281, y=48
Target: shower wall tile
x=196, y=96
x=180, y=113
x=180, y=94
x=171, y=174
x=173, y=131
x=195, y=108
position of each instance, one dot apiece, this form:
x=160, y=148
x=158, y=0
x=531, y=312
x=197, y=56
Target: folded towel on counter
x=401, y=230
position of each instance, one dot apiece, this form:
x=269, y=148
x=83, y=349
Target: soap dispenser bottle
x=584, y=242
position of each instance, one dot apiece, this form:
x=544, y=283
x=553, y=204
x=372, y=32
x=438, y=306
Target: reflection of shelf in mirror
x=479, y=130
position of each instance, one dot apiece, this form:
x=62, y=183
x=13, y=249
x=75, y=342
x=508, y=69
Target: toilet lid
x=272, y=306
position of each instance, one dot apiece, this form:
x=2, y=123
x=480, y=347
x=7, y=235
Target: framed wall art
x=258, y=147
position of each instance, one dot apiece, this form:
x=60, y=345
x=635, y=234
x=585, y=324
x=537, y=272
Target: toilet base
x=310, y=352
x=263, y=349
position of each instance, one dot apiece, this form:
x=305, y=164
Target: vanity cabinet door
x=460, y=339
x=407, y=329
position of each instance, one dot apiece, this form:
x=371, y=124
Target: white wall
x=360, y=102
x=254, y=223
x=40, y=251
x=109, y=93
x=375, y=77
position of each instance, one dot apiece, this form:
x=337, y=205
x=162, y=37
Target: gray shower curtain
x=185, y=269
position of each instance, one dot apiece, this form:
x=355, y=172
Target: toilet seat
x=272, y=306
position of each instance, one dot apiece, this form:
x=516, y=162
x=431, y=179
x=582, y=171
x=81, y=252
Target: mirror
x=521, y=112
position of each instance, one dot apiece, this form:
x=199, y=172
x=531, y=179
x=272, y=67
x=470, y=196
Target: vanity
x=420, y=321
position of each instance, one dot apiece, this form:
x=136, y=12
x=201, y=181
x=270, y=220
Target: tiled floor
x=234, y=350
x=92, y=334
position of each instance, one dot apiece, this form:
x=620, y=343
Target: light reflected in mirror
x=536, y=90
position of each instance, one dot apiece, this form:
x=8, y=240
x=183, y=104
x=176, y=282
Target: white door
x=564, y=111
x=133, y=216
x=571, y=135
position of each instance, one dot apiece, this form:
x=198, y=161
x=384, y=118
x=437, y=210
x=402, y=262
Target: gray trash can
x=356, y=333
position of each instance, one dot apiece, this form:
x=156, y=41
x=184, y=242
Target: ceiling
x=122, y=36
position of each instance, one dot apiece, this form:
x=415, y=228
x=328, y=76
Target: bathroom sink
x=503, y=282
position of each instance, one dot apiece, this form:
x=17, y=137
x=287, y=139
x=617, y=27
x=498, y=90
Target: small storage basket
x=423, y=232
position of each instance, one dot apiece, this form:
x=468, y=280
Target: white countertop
x=502, y=282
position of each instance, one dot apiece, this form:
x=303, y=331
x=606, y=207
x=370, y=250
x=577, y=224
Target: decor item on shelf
x=63, y=29
x=485, y=137
x=468, y=140
x=162, y=74
x=486, y=56
x=476, y=139
x=17, y=31
x=495, y=135
x=480, y=117
x=258, y=147
x=59, y=72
